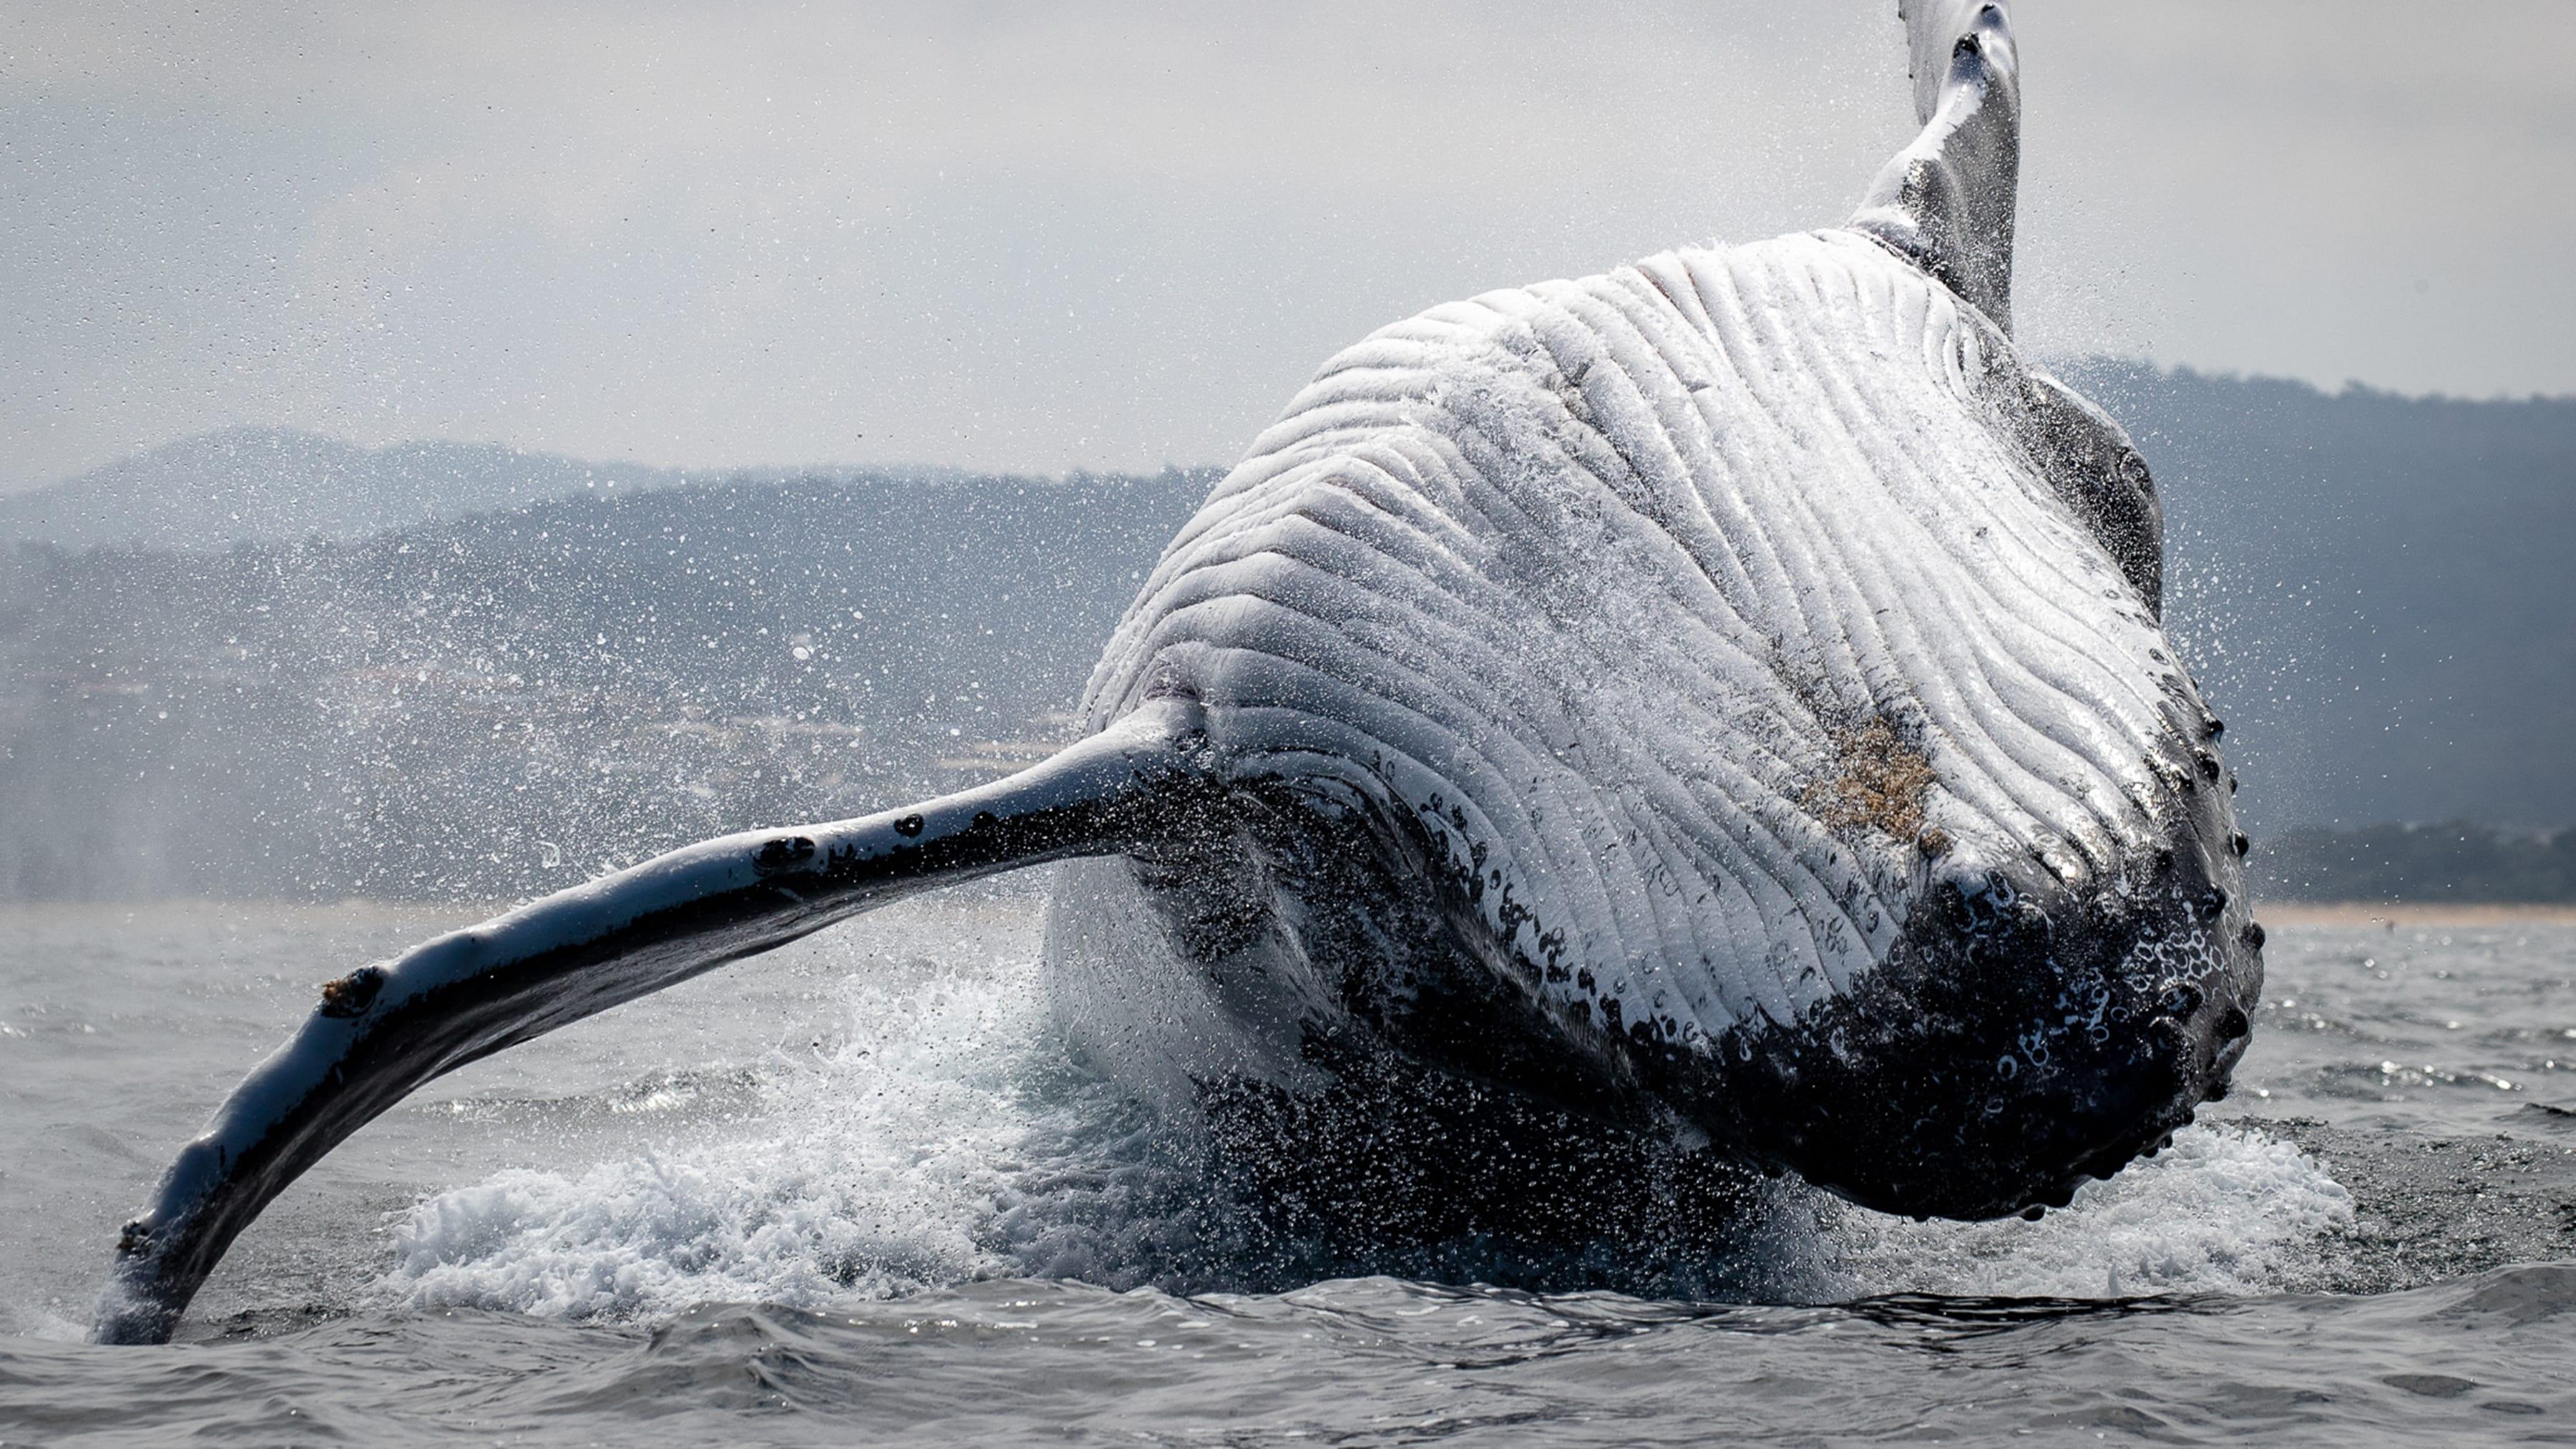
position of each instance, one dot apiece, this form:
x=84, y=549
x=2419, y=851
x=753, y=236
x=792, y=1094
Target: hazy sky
x=1110, y=235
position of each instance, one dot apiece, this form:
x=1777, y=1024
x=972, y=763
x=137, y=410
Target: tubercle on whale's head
x=2026, y=1033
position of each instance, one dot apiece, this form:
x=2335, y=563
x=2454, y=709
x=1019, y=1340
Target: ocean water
x=854, y=1192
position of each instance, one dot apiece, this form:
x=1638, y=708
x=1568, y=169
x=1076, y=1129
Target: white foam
x=2224, y=1210
x=869, y=1169
x=947, y=1138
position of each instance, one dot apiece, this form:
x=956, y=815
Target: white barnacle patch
x=2185, y=951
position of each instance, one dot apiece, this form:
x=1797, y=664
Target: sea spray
x=946, y=1137
x=2224, y=1210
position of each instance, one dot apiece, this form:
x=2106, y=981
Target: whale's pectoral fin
x=1947, y=200
x=383, y=1030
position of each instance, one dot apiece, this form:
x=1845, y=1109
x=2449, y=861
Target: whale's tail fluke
x=1946, y=200
x=384, y=1030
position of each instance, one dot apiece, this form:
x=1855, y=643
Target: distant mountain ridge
x=2374, y=591
x=2378, y=592
x=2452, y=861
x=510, y=702
x=276, y=484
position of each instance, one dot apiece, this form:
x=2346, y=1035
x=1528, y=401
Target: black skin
x=1897, y=1096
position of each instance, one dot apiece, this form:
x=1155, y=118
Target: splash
x=943, y=1139
x=2224, y=1210
x=947, y=1137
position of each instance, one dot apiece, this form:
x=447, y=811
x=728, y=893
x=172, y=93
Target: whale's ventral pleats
x=1719, y=703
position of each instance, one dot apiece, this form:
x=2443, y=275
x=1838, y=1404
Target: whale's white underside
x=1610, y=565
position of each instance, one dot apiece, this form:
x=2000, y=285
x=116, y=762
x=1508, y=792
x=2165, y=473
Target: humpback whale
x=1725, y=695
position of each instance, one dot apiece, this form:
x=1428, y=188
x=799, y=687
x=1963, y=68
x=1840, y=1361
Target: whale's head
x=1773, y=659
x=2069, y=965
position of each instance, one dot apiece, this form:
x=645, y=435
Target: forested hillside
x=2376, y=591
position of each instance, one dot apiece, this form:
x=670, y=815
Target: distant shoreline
x=2416, y=913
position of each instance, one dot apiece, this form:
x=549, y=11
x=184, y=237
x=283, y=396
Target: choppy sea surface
x=855, y=1192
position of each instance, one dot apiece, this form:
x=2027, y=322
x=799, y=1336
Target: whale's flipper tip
x=1933, y=30
x=383, y=1030
x=1946, y=201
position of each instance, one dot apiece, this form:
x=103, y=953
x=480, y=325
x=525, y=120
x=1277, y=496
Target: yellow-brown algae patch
x=1879, y=784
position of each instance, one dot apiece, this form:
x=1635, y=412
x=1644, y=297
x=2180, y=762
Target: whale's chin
x=2018, y=1042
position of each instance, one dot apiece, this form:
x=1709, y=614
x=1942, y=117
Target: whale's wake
x=946, y=1137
